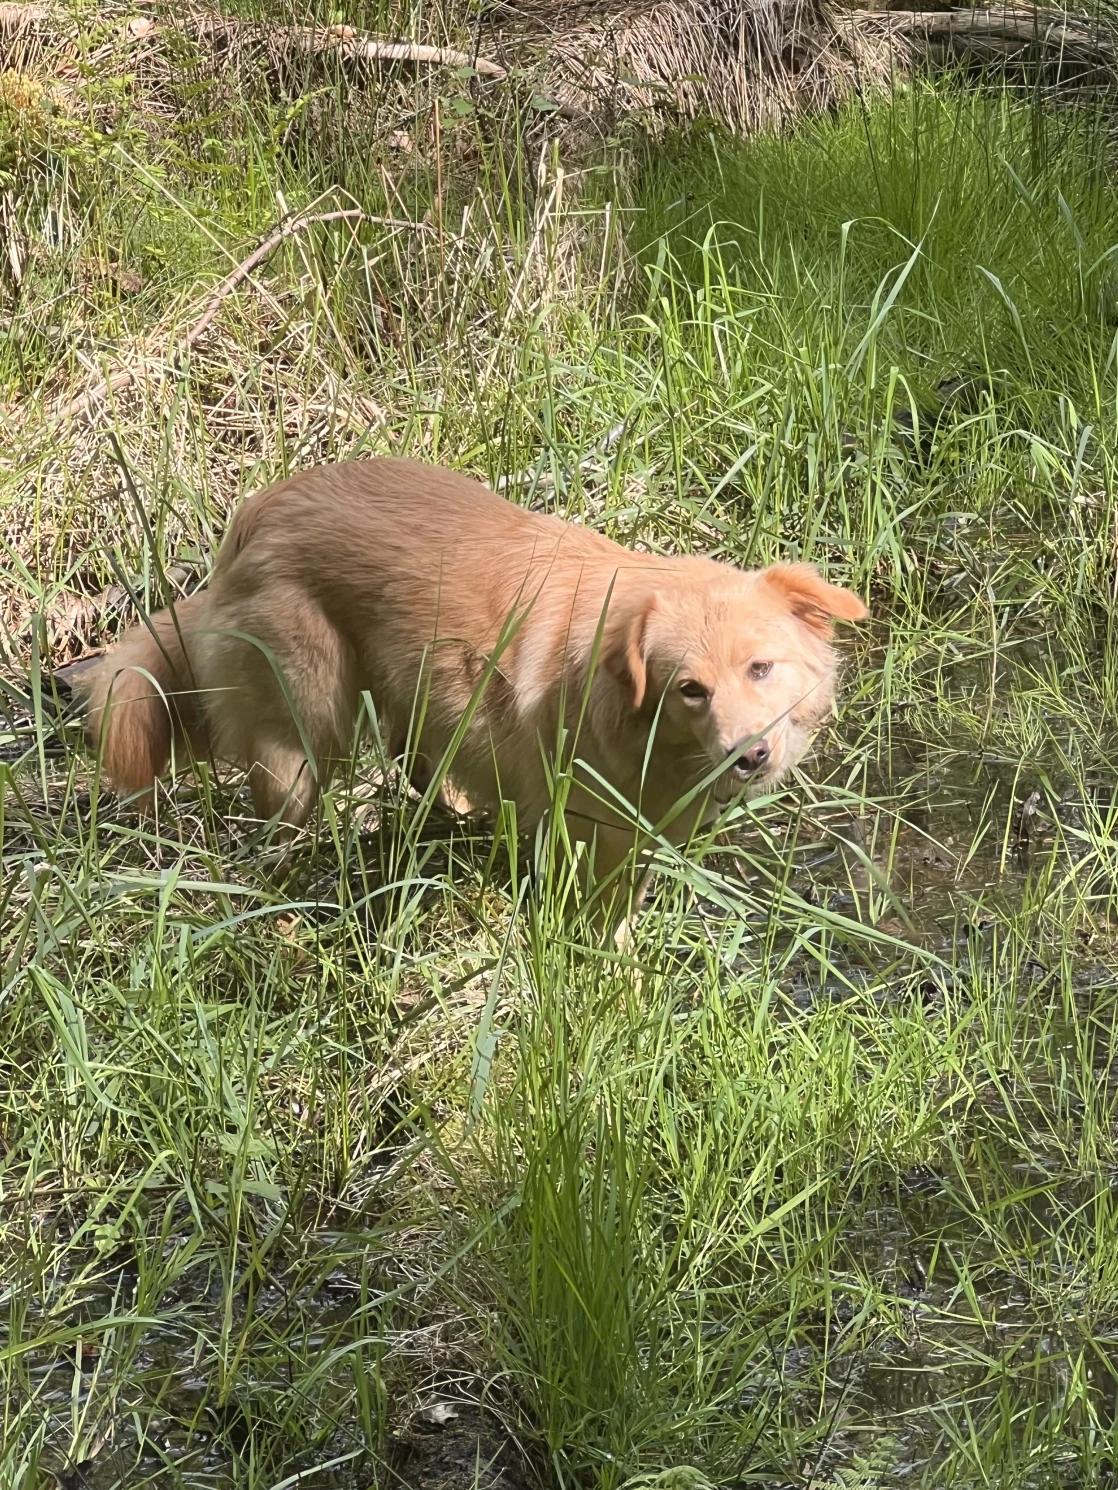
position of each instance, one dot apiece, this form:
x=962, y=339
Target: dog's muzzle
x=750, y=761
x=747, y=766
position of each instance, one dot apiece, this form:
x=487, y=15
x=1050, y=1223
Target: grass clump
x=986, y=229
x=293, y=1172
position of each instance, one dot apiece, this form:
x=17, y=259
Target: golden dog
x=480, y=628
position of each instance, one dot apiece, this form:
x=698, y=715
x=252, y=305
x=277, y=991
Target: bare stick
x=246, y=266
x=995, y=30
x=352, y=44
x=112, y=384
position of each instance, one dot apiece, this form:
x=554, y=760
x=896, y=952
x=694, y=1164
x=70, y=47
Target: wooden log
x=999, y=34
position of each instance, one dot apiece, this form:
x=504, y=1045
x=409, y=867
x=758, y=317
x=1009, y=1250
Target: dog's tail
x=143, y=698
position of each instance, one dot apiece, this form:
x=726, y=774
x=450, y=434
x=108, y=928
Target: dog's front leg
x=620, y=882
x=623, y=936
x=420, y=770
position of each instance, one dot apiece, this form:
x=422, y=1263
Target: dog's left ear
x=811, y=599
x=623, y=655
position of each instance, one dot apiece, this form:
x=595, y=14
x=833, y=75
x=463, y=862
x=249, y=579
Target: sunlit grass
x=811, y=1185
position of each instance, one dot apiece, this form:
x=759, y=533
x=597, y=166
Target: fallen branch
x=351, y=43
x=998, y=32
x=258, y=255
x=124, y=376
x=112, y=384
x=344, y=40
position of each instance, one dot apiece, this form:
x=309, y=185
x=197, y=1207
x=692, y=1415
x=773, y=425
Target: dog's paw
x=455, y=801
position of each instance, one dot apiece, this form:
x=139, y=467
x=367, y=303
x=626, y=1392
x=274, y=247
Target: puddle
x=466, y=1451
x=946, y=831
x=171, y=1426
x=958, y=1350
x=960, y=838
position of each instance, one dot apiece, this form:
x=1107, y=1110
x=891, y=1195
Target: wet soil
x=456, y=1446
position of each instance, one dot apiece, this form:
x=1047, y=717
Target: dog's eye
x=694, y=693
x=760, y=669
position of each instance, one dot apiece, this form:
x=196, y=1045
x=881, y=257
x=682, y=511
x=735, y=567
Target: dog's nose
x=752, y=759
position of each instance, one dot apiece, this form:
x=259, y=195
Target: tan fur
x=409, y=581
x=145, y=680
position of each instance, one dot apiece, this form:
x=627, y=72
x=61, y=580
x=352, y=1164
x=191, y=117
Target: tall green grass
x=979, y=233
x=822, y=1196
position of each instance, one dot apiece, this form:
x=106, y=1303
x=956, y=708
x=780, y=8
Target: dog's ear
x=623, y=653
x=811, y=599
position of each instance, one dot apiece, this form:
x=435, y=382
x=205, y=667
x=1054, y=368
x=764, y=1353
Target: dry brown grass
x=750, y=64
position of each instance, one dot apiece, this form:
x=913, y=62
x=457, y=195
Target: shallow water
x=960, y=835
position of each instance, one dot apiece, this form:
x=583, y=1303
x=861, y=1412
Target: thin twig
x=260, y=252
x=112, y=384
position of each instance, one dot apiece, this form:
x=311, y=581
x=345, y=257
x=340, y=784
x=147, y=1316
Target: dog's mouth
x=737, y=780
x=733, y=784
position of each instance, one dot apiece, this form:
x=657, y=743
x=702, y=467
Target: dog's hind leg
x=283, y=786
x=286, y=705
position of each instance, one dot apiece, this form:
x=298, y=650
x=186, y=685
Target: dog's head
x=739, y=666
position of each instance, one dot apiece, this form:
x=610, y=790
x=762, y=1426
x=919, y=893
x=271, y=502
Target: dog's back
x=387, y=576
